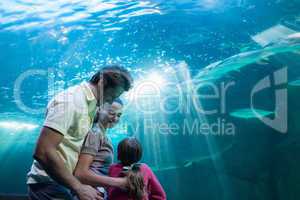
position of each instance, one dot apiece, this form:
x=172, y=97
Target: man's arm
x=46, y=154
x=86, y=176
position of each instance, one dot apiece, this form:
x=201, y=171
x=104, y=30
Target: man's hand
x=86, y=192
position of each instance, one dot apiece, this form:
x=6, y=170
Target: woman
x=97, y=151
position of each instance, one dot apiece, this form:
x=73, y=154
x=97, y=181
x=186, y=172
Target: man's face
x=110, y=114
x=110, y=94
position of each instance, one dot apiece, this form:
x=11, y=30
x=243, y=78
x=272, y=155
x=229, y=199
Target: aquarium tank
x=215, y=95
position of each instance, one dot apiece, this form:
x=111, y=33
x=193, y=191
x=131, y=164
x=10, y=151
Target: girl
x=142, y=183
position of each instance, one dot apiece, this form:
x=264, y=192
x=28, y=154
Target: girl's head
x=129, y=151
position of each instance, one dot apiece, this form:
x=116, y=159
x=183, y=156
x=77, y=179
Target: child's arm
x=156, y=190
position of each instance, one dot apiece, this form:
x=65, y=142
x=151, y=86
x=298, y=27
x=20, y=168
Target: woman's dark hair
x=129, y=153
x=112, y=76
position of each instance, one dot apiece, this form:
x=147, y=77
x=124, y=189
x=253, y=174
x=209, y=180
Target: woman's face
x=110, y=114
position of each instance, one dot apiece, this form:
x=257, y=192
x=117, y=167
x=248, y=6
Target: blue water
x=184, y=55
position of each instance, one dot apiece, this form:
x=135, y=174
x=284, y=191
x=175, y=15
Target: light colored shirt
x=100, y=146
x=71, y=113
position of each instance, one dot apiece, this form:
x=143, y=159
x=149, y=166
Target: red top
x=153, y=187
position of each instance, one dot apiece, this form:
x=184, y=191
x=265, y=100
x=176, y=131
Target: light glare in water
x=17, y=126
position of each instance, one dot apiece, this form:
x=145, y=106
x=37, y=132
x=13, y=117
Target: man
x=68, y=119
x=97, y=151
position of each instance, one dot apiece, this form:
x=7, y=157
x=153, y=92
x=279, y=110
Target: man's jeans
x=48, y=191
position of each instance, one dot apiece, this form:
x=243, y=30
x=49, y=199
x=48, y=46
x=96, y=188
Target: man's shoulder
x=71, y=91
x=72, y=96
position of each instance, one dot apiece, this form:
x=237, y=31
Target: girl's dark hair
x=135, y=181
x=112, y=76
x=129, y=153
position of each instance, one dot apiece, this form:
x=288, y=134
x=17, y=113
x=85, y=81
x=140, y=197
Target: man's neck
x=94, y=91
